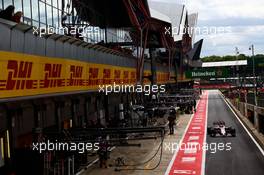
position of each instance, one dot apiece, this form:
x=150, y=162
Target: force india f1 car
x=219, y=128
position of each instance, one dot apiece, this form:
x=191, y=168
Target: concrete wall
x=247, y=110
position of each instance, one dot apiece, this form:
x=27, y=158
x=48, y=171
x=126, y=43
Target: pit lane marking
x=193, y=138
x=190, y=151
x=184, y=172
x=182, y=158
x=196, y=128
x=188, y=159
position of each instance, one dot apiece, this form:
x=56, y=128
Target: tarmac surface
x=244, y=158
x=235, y=155
x=139, y=155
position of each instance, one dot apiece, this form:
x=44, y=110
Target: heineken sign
x=207, y=73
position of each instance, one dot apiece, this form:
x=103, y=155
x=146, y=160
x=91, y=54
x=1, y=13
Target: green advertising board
x=208, y=73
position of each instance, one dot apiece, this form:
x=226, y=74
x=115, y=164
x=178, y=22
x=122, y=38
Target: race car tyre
x=233, y=133
x=213, y=134
x=209, y=130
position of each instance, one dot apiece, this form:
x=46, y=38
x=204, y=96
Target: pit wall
x=251, y=116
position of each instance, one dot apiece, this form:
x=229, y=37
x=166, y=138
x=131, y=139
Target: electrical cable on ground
x=156, y=166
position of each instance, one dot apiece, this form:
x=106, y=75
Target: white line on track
x=258, y=146
x=205, y=136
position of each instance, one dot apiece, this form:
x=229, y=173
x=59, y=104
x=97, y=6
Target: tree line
x=215, y=58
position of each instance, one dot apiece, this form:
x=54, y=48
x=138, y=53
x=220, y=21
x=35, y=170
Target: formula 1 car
x=219, y=128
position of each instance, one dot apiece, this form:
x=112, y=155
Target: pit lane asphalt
x=244, y=158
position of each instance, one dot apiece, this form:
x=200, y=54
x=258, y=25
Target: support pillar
x=256, y=119
x=153, y=66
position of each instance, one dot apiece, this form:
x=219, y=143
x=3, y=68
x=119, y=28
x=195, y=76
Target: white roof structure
x=225, y=63
x=157, y=15
x=177, y=14
x=192, y=21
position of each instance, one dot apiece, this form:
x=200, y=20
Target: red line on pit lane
x=189, y=161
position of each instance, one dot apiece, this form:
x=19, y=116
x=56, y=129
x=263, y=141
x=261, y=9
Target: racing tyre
x=209, y=130
x=233, y=133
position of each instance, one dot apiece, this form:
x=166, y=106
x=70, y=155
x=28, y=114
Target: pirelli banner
x=27, y=75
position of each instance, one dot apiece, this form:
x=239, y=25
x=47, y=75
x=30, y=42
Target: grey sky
x=244, y=17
